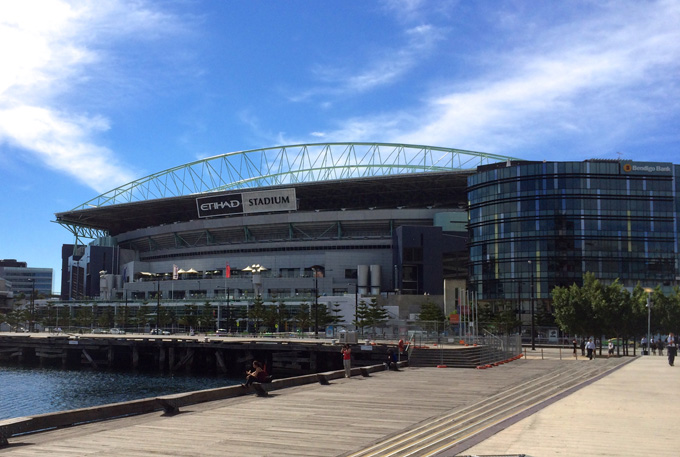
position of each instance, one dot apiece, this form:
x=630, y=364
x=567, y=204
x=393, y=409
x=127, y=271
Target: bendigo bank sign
x=246, y=203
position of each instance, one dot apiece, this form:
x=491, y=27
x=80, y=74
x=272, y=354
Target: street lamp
x=31, y=324
x=649, y=315
x=256, y=270
x=356, y=305
x=158, y=304
x=315, y=270
x=533, y=339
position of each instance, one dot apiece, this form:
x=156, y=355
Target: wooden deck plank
x=311, y=420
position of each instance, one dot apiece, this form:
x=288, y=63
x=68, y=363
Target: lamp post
x=31, y=324
x=356, y=305
x=316, y=305
x=533, y=339
x=228, y=313
x=256, y=270
x=649, y=315
x=158, y=304
x=316, y=269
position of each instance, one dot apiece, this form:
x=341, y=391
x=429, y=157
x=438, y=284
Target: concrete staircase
x=462, y=357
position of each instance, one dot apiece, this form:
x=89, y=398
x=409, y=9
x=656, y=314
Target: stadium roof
x=326, y=176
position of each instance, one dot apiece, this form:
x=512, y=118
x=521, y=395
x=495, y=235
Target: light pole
x=158, y=304
x=315, y=270
x=649, y=315
x=31, y=324
x=256, y=270
x=533, y=339
x=356, y=305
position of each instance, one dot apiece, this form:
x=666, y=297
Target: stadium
x=341, y=224
x=290, y=223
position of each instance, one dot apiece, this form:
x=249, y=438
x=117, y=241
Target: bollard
x=542, y=354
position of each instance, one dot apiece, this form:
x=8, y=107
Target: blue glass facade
x=537, y=225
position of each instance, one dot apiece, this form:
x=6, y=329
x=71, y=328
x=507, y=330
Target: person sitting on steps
x=257, y=374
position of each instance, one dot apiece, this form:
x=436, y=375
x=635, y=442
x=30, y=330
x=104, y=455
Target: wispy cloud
x=376, y=71
x=597, y=79
x=48, y=49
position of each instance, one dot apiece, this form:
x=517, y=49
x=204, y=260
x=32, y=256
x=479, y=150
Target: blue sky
x=96, y=94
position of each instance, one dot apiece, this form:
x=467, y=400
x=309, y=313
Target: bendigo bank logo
x=627, y=168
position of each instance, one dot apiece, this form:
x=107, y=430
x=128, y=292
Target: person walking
x=590, y=347
x=347, y=360
x=671, y=348
x=611, y=349
x=659, y=346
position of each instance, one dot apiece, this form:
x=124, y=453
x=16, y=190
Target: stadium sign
x=247, y=203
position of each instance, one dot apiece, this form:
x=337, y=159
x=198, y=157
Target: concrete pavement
x=632, y=411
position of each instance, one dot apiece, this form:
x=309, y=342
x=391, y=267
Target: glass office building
x=537, y=225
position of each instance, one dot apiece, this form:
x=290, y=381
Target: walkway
x=619, y=414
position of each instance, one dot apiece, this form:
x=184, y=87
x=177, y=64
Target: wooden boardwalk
x=312, y=420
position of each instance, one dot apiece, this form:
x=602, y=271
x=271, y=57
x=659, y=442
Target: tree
x=377, y=315
x=270, y=317
x=282, y=316
x=257, y=312
x=337, y=318
x=362, y=316
x=431, y=316
x=302, y=319
x=190, y=317
x=207, y=320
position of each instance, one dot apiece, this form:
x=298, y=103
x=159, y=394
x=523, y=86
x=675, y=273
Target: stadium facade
x=391, y=221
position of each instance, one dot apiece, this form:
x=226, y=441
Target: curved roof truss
x=292, y=164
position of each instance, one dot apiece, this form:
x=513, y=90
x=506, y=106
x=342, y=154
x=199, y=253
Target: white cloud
x=391, y=65
x=47, y=48
x=596, y=80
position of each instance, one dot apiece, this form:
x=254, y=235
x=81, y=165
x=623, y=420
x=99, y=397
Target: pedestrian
x=659, y=346
x=643, y=345
x=347, y=360
x=653, y=346
x=611, y=349
x=583, y=347
x=671, y=348
x=391, y=361
x=574, y=343
x=590, y=347
x=400, y=346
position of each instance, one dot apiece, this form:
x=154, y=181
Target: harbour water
x=30, y=391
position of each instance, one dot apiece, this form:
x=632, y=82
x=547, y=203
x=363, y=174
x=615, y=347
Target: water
x=30, y=391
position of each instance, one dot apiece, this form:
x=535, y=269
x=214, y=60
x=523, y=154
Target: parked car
x=158, y=331
x=221, y=332
x=117, y=331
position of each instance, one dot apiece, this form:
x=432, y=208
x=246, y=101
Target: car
x=221, y=332
x=117, y=331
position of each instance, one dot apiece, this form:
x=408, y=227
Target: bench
x=10, y=427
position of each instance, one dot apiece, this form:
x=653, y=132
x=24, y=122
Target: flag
x=174, y=272
x=227, y=272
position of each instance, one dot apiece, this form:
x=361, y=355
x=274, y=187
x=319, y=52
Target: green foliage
x=362, y=316
x=302, y=319
x=431, y=312
x=337, y=317
x=598, y=309
x=499, y=318
x=257, y=312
